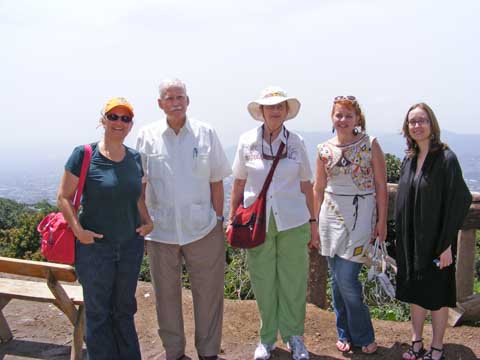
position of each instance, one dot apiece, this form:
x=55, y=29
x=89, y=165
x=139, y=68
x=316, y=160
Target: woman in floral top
x=350, y=194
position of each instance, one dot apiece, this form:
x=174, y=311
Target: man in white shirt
x=184, y=165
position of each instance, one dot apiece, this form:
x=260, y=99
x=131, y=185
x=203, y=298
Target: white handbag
x=382, y=267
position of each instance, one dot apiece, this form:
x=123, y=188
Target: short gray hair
x=168, y=83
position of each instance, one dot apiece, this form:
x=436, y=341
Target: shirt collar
x=164, y=126
x=280, y=137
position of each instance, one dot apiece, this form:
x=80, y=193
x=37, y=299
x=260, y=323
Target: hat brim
x=128, y=108
x=254, y=107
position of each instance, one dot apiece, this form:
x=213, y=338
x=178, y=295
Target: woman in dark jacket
x=432, y=202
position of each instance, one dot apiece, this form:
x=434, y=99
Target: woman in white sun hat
x=279, y=267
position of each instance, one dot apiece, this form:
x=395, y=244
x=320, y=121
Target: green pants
x=279, y=273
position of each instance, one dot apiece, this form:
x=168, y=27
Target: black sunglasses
x=115, y=117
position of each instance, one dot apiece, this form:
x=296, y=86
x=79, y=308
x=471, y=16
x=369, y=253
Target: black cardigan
x=429, y=211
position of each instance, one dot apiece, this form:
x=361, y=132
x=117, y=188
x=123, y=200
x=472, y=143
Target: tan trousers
x=205, y=262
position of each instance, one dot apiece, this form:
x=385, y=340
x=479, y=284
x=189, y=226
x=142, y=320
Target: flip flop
x=343, y=346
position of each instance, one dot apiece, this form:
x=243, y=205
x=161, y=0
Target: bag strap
x=87, y=156
x=268, y=180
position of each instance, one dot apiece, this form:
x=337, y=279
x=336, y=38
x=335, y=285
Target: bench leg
x=5, y=332
x=78, y=334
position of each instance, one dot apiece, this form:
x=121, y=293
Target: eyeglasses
x=350, y=98
x=114, y=117
x=272, y=156
x=420, y=122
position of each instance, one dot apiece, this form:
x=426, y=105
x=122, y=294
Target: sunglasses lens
x=341, y=97
x=115, y=117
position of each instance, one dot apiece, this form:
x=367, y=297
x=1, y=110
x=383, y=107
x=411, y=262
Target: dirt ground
x=41, y=331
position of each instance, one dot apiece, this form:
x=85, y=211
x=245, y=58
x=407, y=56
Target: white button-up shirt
x=284, y=197
x=178, y=172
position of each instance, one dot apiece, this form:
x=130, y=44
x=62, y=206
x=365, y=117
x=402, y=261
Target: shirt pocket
x=163, y=218
x=197, y=218
x=288, y=169
x=201, y=165
x=157, y=166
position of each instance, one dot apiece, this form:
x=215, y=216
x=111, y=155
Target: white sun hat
x=273, y=95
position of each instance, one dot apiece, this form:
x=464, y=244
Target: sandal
x=429, y=355
x=343, y=346
x=370, y=348
x=411, y=354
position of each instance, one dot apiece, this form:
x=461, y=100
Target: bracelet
x=312, y=220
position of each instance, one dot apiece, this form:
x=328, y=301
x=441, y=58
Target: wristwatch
x=312, y=220
x=221, y=218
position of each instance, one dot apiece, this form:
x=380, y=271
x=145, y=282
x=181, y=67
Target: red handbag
x=58, y=240
x=249, y=224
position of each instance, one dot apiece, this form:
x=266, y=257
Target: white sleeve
x=220, y=167
x=140, y=146
x=239, y=168
x=305, y=169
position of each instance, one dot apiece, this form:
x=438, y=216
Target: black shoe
x=429, y=355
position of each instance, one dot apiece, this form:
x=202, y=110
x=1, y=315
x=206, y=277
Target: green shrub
x=10, y=212
x=145, y=270
x=23, y=241
x=393, y=168
x=237, y=281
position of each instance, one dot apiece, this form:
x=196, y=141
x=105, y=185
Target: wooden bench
x=68, y=298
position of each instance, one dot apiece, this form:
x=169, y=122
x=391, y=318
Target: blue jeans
x=353, y=317
x=108, y=272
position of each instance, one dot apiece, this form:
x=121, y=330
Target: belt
x=354, y=203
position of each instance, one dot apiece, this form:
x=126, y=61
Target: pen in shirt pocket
x=195, y=152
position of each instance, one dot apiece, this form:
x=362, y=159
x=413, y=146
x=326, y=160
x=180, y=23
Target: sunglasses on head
x=114, y=117
x=350, y=98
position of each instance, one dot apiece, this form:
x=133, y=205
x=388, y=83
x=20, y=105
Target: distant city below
x=31, y=180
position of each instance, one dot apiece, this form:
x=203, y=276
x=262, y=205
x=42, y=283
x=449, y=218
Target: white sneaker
x=297, y=347
x=262, y=352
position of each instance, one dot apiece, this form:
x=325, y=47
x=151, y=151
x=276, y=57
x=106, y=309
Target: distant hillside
x=464, y=145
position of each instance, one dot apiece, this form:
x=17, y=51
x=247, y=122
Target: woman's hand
x=145, y=229
x=381, y=231
x=229, y=228
x=87, y=236
x=446, y=258
x=314, y=236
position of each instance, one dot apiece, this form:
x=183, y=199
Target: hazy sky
x=61, y=60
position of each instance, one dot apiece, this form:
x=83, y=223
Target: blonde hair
x=352, y=105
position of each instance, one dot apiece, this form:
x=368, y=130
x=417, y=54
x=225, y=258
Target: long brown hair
x=435, y=142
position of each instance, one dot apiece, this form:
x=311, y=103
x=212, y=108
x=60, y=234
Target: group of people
x=169, y=192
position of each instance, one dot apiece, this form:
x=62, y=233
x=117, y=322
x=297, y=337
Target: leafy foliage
x=10, y=212
x=393, y=168
x=237, y=281
x=145, y=270
x=18, y=233
x=22, y=241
